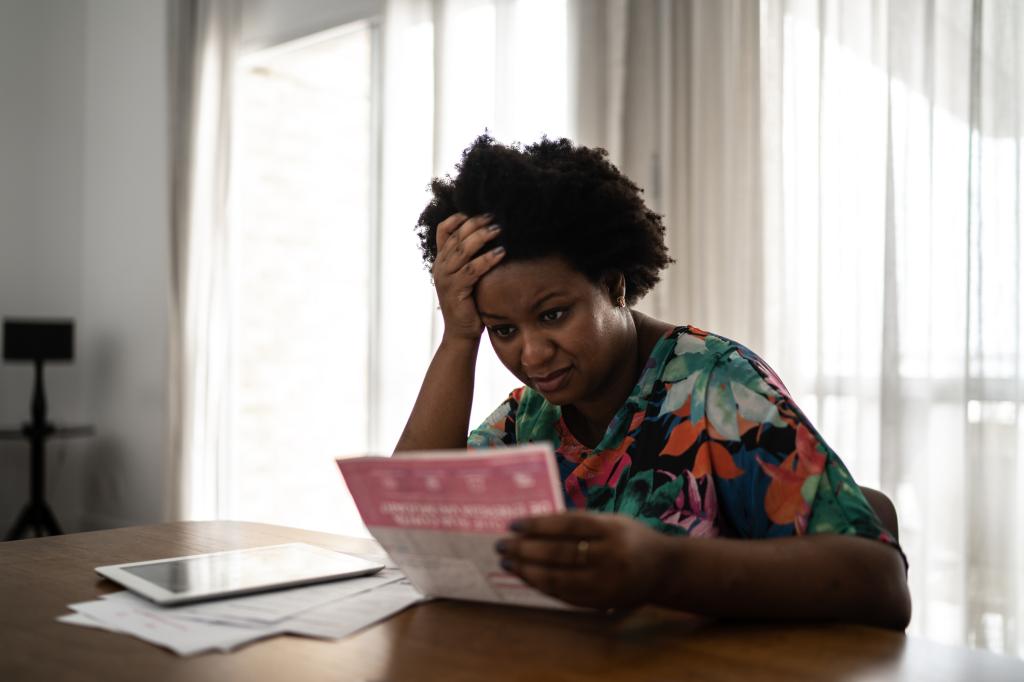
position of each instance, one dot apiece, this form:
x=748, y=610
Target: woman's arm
x=809, y=577
x=609, y=561
x=440, y=417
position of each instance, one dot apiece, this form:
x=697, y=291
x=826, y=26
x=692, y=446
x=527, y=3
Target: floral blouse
x=708, y=443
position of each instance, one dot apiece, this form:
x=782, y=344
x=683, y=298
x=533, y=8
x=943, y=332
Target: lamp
x=38, y=341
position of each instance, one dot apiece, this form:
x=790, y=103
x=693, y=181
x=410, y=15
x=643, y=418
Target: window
x=333, y=319
x=303, y=161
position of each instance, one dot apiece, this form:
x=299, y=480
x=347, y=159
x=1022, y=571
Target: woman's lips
x=549, y=383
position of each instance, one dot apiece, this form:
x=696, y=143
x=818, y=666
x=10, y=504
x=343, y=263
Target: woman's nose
x=537, y=351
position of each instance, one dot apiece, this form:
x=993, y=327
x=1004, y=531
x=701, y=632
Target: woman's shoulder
x=694, y=370
x=657, y=335
x=684, y=349
x=694, y=347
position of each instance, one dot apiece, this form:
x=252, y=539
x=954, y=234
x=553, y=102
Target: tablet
x=198, y=577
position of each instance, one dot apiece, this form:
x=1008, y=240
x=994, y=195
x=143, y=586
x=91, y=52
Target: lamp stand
x=37, y=514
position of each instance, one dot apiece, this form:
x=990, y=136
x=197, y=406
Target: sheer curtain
x=453, y=69
x=203, y=44
x=892, y=167
x=841, y=182
x=670, y=90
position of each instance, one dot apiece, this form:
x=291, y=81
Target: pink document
x=438, y=515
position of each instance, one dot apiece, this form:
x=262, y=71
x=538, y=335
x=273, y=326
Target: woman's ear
x=615, y=284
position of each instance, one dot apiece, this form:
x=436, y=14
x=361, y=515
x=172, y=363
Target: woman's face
x=554, y=329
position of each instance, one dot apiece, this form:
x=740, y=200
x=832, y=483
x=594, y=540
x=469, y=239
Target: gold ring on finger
x=582, y=550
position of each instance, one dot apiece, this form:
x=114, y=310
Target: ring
x=582, y=548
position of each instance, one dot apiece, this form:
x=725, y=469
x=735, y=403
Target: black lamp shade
x=31, y=340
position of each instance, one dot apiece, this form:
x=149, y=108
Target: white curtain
x=841, y=182
x=203, y=50
x=670, y=90
x=892, y=166
x=453, y=69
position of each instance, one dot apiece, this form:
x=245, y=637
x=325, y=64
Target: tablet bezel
x=164, y=597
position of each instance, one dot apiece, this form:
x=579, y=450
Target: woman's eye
x=502, y=331
x=553, y=315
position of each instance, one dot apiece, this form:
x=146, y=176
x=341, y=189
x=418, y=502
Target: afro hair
x=554, y=198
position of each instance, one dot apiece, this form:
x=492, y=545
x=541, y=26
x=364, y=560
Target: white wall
x=126, y=259
x=84, y=234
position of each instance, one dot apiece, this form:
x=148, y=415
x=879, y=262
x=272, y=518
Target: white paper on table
x=346, y=616
x=349, y=611
x=138, y=617
x=84, y=620
x=268, y=608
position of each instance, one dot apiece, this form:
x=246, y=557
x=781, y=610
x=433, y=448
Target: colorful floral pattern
x=708, y=443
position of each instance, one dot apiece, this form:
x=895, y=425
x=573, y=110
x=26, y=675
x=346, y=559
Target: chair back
x=884, y=509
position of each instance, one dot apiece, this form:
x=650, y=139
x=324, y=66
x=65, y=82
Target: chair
x=884, y=508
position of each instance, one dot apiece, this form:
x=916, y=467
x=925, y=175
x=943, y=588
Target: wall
x=126, y=259
x=41, y=111
x=83, y=234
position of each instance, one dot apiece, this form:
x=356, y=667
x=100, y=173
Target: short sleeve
x=774, y=474
x=499, y=428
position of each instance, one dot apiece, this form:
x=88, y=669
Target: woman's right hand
x=456, y=272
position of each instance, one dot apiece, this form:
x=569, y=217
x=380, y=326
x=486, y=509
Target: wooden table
x=441, y=640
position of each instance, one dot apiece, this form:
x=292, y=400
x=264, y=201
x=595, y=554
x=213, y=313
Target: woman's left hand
x=588, y=559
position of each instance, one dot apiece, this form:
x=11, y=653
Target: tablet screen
x=213, y=573
x=239, y=571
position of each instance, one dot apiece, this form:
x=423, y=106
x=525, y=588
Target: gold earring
x=621, y=301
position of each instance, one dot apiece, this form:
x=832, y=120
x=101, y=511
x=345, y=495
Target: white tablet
x=220, y=574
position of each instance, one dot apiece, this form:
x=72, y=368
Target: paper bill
x=438, y=515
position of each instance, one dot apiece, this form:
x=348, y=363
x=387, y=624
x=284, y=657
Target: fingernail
x=516, y=525
x=506, y=565
x=501, y=546
x=488, y=216
x=500, y=251
x=494, y=228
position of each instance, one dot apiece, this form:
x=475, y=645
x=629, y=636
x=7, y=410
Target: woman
x=688, y=440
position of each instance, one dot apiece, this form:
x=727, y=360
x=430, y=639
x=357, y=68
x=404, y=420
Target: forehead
x=518, y=285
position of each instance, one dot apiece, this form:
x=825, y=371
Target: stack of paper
x=327, y=610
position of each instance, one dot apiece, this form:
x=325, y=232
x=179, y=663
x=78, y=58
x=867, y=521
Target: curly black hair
x=554, y=198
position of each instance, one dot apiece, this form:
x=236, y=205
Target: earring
x=621, y=301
